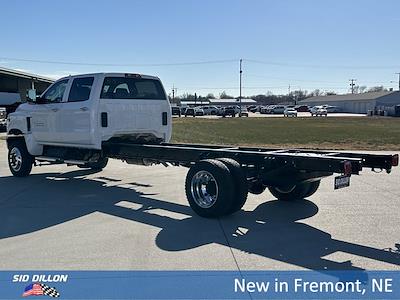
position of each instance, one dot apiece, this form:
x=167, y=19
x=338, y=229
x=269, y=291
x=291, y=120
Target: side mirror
x=31, y=95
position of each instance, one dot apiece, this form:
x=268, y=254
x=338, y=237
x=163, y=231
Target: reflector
x=395, y=160
x=347, y=168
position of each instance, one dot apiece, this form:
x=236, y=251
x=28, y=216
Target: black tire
x=96, y=166
x=297, y=192
x=256, y=188
x=19, y=160
x=313, y=187
x=221, y=186
x=240, y=182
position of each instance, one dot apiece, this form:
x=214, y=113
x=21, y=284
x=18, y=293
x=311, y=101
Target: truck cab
x=84, y=111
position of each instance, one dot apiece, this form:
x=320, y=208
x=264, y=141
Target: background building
x=229, y=102
x=357, y=103
x=218, y=102
x=14, y=85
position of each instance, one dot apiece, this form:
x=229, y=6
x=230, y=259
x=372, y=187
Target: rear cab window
x=132, y=88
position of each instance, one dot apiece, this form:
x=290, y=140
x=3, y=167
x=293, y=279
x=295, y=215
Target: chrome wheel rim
x=204, y=189
x=285, y=190
x=15, y=159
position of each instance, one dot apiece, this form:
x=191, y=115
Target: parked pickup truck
x=83, y=120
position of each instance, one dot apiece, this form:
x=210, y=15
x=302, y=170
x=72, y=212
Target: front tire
x=19, y=160
x=210, y=188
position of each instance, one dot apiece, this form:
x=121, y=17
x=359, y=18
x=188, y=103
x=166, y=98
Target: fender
x=18, y=126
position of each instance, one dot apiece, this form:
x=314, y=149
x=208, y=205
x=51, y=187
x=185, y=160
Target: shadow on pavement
x=272, y=230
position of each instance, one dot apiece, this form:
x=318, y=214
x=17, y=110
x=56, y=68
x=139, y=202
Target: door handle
x=84, y=108
x=54, y=109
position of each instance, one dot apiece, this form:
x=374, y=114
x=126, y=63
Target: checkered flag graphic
x=49, y=291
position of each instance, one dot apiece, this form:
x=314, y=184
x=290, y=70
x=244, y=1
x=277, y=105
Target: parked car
x=254, y=108
x=199, y=111
x=176, y=111
x=244, y=112
x=190, y=111
x=263, y=110
x=302, y=108
x=279, y=109
x=183, y=109
x=331, y=109
x=318, y=111
x=210, y=110
x=230, y=111
x=290, y=112
x=267, y=109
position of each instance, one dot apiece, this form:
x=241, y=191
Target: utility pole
x=352, y=84
x=399, y=79
x=240, y=88
x=174, y=89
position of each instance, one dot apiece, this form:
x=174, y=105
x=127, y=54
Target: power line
x=282, y=64
x=119, y=65
x=222, y=61
x=291, y=79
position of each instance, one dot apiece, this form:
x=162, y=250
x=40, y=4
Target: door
x=46, y=111
x=76, y=123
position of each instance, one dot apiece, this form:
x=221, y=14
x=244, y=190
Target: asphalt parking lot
x=137, y=218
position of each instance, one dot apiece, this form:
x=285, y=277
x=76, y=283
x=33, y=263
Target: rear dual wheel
x=295, y=192
x=96, y=166
x=216, y=187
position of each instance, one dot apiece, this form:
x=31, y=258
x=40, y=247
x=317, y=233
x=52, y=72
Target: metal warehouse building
x=227, y=102
x=219, y=102
x=357, y=103
x=14, y=85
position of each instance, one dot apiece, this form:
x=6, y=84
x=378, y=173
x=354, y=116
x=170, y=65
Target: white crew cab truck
x=85, y=119
x=80, y=112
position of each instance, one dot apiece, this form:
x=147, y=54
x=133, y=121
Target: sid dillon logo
x=38, y=285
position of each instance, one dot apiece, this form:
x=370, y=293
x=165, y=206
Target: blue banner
x=200, y=284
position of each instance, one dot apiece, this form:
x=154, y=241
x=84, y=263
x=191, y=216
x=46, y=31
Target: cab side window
x=80, y=89
x=56, y=92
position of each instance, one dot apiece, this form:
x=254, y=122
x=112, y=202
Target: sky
x=195, y=46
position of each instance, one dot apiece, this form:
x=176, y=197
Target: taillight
x=347, y=168
x=395, y=160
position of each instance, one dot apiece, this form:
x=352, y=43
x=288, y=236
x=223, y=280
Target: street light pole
x=240, y=88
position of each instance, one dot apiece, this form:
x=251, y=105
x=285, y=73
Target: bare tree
x=224, y=95
x=377, y=89
x=363, y=89
x=210, y=96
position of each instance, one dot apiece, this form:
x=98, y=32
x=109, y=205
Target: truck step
x=60, y=160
